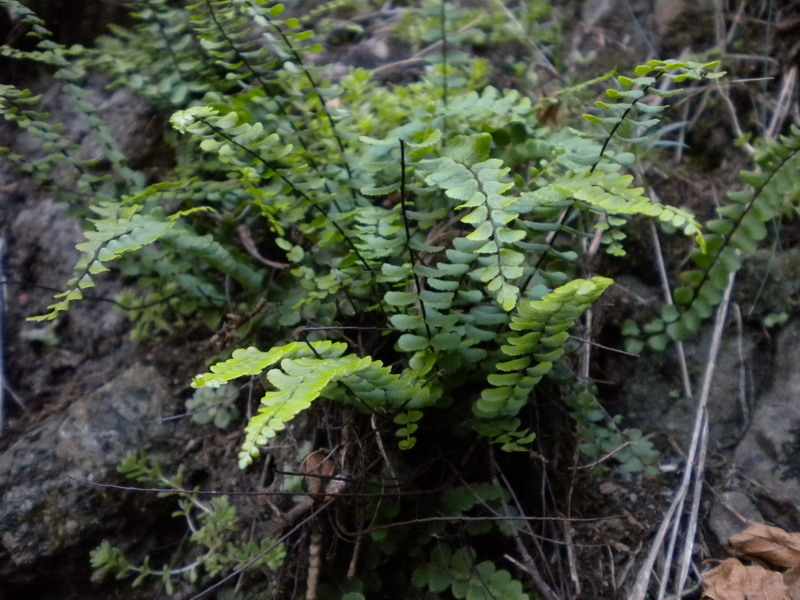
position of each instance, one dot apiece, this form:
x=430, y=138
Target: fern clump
x=402, y=251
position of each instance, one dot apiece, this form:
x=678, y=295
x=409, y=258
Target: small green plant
x=603, y=443
x=458, y=573
x=217, y=544
x=214, y=405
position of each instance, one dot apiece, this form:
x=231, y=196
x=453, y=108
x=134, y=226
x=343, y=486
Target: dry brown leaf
x=771, y=544
x=731, y=580
x=792, y=580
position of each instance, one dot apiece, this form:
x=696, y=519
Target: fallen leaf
x=771, y=544
x=792, y=580
x=731, y=580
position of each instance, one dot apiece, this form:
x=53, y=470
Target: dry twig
x=695, y=462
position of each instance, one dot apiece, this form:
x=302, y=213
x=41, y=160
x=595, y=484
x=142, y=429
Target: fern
x=121, y=230
x=453, y=251
x=480, y=183
x=545, y=323
x=735, y=234
x=306, y=372
x=612, y=194
x=591, y=165
x=160, y=57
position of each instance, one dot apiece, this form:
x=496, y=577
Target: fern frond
x=118, y=232
x=490, y=107
x=545, y=324
x=129, y=226
x=246, y=146
x=378, y=233
x=23, y=14
x=612, y=194
x=159, y=57
x=211, y=252
x=231, y=38
x=251, y=361
x=622, y=106
x=480, y=183
x=736, y=233
x=58, y=167
x=305, y=373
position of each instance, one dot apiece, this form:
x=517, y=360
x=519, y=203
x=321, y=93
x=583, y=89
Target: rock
x=769, y=454
x=654, y=393
x=45, y=511
x=730, y=514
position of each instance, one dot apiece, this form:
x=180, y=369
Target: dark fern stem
x=411, y=253
x=443, y=23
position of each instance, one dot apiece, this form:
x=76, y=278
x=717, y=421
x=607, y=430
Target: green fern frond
x=21, y=13
x=251, y=361
x=137, y=222
x=737, y=232
x=546, y=323
x=246, y=146
x=120, y=231
x=159, y=57
x=612, y=194
x=211, y=252
x=230, y=36
x=623, y=105
x=480, y=184
x=378, y=233
x=488, y=108
x=298, y=382
x=306, y=372
x=58, y=167
x=46, y=51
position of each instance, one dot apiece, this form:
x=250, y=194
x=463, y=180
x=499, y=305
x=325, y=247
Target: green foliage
x=737, y=233
x=432, y=230
x=480, y=184
x=214, y=405
x=603, y=442
x=458, y=572
x=546, y=325
x=307, y=372
x=216, y=543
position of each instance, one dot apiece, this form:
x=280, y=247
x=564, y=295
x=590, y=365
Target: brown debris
x=771, y=544
x=732, y=580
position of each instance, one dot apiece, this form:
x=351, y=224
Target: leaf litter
x=774, y=549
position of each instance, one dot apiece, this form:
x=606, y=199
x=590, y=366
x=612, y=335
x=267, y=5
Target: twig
x=247, y=241
x=783, y=104
x=529, y=566
x=737, y=314
x=605, y=457
x=698, y=474
x=691, y=529
x=2, y=352
x=696, y=449
x=662, y=273
x=602, y=347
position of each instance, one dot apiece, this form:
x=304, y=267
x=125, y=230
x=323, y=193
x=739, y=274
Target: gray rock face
x=656, y=401
x=769, y=454
x=43, y=511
